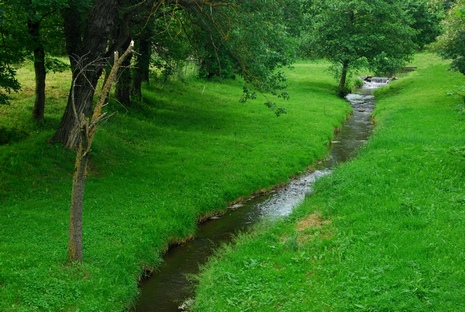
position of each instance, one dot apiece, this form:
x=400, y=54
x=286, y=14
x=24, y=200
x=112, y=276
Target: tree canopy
x=376, y=34
x=10, y=49
x=227, y=38
x=451, y=44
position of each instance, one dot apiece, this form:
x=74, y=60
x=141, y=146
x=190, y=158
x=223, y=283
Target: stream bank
x=170, y=285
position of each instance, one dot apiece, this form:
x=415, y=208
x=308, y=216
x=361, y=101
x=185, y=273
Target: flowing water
x=169, y=285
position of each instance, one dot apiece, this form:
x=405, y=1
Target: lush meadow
x=187, y=151
x=384, y=232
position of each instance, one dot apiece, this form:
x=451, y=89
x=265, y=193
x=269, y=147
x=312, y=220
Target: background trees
x=452, y=43
x=379, y=35
x=252, y=39
x=426, y=17
x=228, y=37
x=30, y=29
x=43, y=28
x=259, y=38
x=11, y=49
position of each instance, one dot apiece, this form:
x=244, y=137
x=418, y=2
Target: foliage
x=426, y=18
x=8, y=81
x=451, y=44
x=11, y=51
x=256, y=38
x=360, y=33
x=171, y=46
x=55, y=65
x=270, y=48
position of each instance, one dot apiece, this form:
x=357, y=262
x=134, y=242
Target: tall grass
x=384, y=232
x=156, y=168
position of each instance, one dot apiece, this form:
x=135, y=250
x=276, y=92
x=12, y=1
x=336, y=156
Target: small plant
x=358, y=82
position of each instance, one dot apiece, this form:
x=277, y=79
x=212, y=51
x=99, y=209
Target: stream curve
x=169, y=285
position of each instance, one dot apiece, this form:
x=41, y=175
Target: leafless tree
x=84, y=135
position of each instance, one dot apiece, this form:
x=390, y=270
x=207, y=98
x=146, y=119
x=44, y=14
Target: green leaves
x=261, y=37
x=451, y=44
x=8, y=82
x=247, y=95
x=345, y=32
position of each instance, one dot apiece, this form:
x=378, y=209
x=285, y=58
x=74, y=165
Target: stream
x=169, y=285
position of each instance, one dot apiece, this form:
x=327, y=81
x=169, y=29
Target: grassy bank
x=156, y=168
x=384, y=232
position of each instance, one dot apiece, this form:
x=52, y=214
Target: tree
x=353, y=34
x=11, y=50
x=88, y=27
x=37, y=12
x=25, y=24
x=85, y=135
x=93, y=30
x=426, y=21
x=230, y=38
x=252, y=39
x=259, y=37
x=451, y=44
x=162, y=41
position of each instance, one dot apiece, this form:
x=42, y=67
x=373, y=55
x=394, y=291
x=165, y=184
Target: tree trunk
x=39, y=69
x=77, y=197
x=86, y=57
x=40, y=76
x=141, y=71
x=79, y=102
x=87, y=128
x=123, y=85
x=341, y=89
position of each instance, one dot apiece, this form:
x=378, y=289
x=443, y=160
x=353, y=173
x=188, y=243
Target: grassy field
x=156, y=168
x=384, y=232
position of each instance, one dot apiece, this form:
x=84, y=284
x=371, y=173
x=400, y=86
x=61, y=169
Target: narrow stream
x=169, y=286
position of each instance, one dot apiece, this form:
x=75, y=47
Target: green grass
x=384, y=232
x=156, y=169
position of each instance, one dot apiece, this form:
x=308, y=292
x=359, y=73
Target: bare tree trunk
x=87, y=127
x=40, y=76
x=77, y=197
